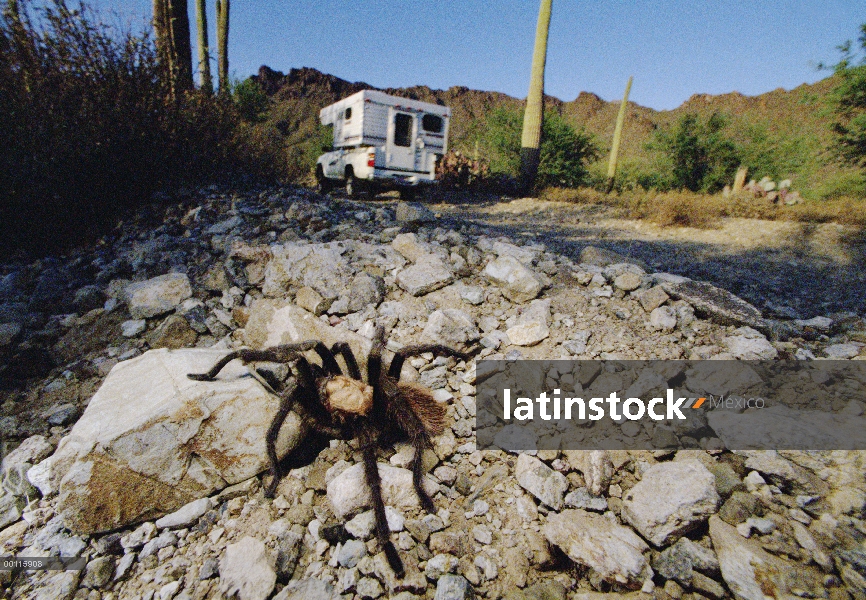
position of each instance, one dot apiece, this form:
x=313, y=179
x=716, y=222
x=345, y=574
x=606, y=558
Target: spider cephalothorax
x=374, y=412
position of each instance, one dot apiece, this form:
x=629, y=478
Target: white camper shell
x=383, y=142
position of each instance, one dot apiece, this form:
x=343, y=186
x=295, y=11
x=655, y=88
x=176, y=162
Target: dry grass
x=688, y=209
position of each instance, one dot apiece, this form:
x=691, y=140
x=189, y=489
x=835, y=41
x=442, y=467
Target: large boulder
x=275, y=322
x=615, y=553
x=671, y=499
x=152, y=440
x=716, y=304
x=519, y=283
x=319, y=266
x=158, y=295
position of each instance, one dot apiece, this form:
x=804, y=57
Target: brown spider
x=345, y=407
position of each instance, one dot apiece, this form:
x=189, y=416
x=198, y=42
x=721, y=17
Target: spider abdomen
x=421, y=401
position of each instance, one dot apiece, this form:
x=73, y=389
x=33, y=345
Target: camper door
x=402, y=128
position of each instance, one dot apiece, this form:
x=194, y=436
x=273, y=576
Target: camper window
x=348, y=114
x=432, y=123
x=402, y=130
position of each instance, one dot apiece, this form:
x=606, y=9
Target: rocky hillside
x=792, y=128
x=182, y=514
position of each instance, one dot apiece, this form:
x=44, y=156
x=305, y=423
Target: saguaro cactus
x=222, y=10
x=617, y=138
x=180, y=41
x=162, y=36
x=530, y=143
x=205, y=80
x=171, y=27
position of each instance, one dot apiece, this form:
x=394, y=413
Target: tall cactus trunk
x=617, y=138
x=530, y=143
x=162, y=37
x=222, y=9
x=178, y=10
x=205, y=82
x=171, y=28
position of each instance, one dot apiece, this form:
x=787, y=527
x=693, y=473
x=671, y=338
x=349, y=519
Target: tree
x=703, y=159
x=849, y=98
x=563, y=152
x=222, y=10
x=206, y=82
x=530, y=152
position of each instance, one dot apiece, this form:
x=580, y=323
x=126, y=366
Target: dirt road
x=787, y=269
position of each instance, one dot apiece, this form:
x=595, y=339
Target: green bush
x=564, y=151
x=701, y=157
x=849, y=98
x=88, y=130
x=250, y=99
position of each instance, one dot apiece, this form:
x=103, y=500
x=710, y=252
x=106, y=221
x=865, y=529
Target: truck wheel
x=323, y=184
x=353, y=186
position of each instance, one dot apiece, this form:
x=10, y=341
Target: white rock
x=186, y=515
x=820, y=323
x=751, y=572
x=663, y=318
x=276, y=322
x=247, y=571
x=451, y=327
x=596, y=467
x=842, y=351
x=408, y=245
x=152, y=440
x=541, y=481
x=519, y=283
x=670, y=499
x=532, y=325
x=158, y=295
x=750, y=347
x=349, y=493
x=133, y=327
x=524, y=255
x=28, y=452
x=615, y=552
x=429, y=273
x=319, y=266
x=40, y=476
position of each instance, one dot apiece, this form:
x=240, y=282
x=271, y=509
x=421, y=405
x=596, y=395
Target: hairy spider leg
x=369, y=441
x=401, y=355
x=343, y=349
x=287, y=400
x=278, y=354
x=420, y=441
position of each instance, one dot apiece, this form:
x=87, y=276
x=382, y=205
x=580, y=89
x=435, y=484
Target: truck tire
x=323, y=184
x=354, y=186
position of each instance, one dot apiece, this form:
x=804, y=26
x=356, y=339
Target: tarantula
x=345, y=407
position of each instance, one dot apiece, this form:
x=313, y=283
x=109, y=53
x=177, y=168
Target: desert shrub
x=702, y=158
x=250, y=98
x=849, y=99
x=565, y=152
x=87, y=129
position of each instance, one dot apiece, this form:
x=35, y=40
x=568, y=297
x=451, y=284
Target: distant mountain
x=791, y=126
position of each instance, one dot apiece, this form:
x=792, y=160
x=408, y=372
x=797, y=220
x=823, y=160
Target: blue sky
x=673, y=48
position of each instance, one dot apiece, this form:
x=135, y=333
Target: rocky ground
x=788, y=269
x=682, y=523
